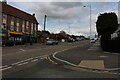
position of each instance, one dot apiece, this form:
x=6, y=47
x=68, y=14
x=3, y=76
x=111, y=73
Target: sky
x=69, y=16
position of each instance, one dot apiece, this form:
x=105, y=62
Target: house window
x=4, y=26
x=12, y=24
x=23, y=25
x=17, y=24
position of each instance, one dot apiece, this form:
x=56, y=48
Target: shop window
x=11, y=38
x=20, y=39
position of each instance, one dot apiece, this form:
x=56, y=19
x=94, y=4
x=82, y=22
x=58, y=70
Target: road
x=33, y=62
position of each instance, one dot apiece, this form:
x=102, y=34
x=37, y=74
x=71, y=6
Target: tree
x=106, y=23
x=63, y=32
x=47, y=32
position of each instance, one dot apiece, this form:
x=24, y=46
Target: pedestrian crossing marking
x=92, y=63
x=103, y=56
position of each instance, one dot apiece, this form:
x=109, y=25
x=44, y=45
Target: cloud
x=39, y=27
x=57, y=11
x=61, y=21
x=60, y=14
x=64, y=0
x=66, y=5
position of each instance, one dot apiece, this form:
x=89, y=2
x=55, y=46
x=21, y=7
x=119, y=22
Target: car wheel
x=4, y=45
x=13, y=44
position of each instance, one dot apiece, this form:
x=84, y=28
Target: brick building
x=19, y=24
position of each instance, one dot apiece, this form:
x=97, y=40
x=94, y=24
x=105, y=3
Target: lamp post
x=90, y=18
x=45, y=22
x=69, y=29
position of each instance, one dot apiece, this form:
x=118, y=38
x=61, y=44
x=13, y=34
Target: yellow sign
x=14, y=32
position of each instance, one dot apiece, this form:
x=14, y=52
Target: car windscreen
x=51, y=40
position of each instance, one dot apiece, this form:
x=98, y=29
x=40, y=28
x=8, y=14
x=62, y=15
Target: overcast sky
x=61, y=15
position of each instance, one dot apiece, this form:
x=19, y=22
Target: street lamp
x=45, y=22
x=69, y=29
x=90, y=18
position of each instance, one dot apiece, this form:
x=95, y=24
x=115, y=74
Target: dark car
x=92, y=40
x=7, y=42
x=19, y=41
x=51, y=42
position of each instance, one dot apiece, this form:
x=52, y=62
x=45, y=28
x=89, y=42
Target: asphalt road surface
x=44, y=69
x=32, y=62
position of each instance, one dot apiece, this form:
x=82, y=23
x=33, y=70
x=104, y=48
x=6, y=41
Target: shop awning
x=5, y=31
x=4, y=34
x=13, y=32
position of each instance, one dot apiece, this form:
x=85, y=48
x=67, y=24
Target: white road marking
x=28, y=59
x=5, y=68
x=92, y=49
x=34, y=60
x=106, y=52
x=116, y=53
x=22, y=63
x=113, y=53
x=103, y=56
x=43, y=56
x=17, y=62
x=22, y=49
x=37, y=57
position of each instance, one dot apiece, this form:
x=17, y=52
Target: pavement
x=90, y=57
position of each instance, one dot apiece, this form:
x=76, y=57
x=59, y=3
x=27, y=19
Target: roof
x=17, y=13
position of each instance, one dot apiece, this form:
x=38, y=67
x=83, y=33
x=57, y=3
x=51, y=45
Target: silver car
x=51, y=42
x=92, y=40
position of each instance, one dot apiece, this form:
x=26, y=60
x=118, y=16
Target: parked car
x=9, y=42
x=92, y=40
x=19, y=41
x=51, y=42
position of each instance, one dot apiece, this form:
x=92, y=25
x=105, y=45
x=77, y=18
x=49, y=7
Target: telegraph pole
x=45, y=22
x=69, y=29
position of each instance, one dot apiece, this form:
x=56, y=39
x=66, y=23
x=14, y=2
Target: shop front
x=17, y=36
x=6, y=39
x=34, y=38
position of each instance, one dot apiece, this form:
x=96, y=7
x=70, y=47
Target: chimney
x=34, y=14
x=4, y=1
